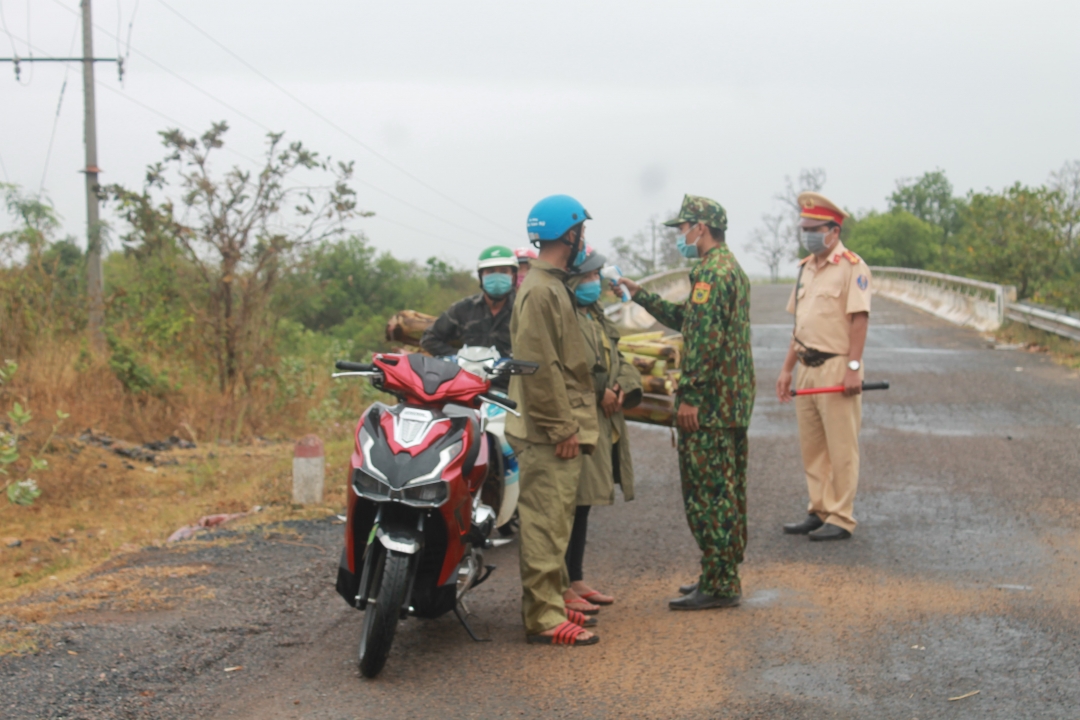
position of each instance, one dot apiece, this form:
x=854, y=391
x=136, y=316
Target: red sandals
x=566, y=633
x=596, y=597
x=579, y=618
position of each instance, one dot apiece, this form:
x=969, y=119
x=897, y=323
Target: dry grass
x=96, y=505
x=1063, y=351
x=291, y=400
x=88, y=513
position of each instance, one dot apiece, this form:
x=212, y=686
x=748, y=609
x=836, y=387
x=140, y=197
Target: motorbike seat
x=432, y=371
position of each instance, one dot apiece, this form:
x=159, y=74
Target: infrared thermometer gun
x=612, y=273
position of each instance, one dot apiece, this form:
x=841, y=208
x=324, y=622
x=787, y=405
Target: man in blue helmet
x=558, y=419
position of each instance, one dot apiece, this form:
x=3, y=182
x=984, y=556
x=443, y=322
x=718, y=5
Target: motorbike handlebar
x=499, y=400
x=354, y=366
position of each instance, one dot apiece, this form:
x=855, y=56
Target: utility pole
x=95, y=279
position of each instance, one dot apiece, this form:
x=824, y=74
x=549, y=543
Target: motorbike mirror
x=517, y=367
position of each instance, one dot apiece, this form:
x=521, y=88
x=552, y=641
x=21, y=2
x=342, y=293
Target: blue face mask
x=497, y=285
x=687, y=251
x=579, y=258
x=588, y=292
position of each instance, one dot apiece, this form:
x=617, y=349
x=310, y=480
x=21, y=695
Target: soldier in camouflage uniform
x=716, y=398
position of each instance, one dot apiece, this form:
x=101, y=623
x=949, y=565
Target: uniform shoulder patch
x=862, y=282
x=701, y=293
x=851, y=257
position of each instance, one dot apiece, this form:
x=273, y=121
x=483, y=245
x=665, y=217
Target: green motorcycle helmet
x=497, y=285
x=497, y=256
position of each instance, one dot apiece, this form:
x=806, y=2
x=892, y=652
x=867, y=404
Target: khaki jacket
x=610, y=464
x=558, y=400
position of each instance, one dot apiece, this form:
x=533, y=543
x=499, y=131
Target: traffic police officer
x=831, y=305
x=716, y=399
x=557, y=420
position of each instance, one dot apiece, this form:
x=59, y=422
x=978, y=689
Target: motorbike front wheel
x=381, y=616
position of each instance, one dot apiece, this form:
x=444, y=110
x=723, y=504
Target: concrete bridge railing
x=1043, y=319
x=972, y=303
x=673, y=285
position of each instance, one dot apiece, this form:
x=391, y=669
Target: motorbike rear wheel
x=381, y=616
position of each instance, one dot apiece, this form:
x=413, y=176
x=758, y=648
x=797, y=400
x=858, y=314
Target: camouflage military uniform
x=718, y=379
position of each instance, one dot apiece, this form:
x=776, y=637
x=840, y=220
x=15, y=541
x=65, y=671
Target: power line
x=382, y=217
x=14, y=50
x=174, y=121
x=144, y=106
x=56, y=119
x=268, y=129
x=178, y=76
x=331, y=123
x=421, y=210
x=253, y=161
x=260, y=163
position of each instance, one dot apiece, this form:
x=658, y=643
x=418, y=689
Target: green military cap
x=697, y=209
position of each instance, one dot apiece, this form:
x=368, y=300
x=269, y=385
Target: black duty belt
x=814, y=358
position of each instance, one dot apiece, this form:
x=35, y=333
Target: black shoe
x=811, y=523
x=687, y=589
x=830, y=532
x=698, y=600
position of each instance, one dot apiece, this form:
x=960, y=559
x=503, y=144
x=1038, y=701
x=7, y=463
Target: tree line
x=230, y=291
x=225, y=283
x=1024, y=236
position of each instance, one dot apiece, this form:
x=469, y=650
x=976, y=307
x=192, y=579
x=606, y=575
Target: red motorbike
x=421, y=469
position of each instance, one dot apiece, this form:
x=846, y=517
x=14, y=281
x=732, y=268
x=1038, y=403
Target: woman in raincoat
x=618, y=385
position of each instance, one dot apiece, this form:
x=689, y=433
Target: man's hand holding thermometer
x=626, y=286
x=612, y=274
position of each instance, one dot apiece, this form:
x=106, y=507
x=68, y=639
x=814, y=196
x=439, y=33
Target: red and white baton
x=883, y=385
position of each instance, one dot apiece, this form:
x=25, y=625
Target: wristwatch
x=854, y=365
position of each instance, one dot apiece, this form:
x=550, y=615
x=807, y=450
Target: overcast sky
x=625, y=105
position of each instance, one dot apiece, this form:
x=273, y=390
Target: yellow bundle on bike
x=657, y=385
x=642, y=337
x=408, y=326
x=643, y=363
x=653, y=409
x=657, y=349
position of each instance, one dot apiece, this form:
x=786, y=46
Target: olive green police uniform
x=555, y=403
x=718, y=379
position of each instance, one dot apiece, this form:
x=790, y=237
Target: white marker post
x=308, y=471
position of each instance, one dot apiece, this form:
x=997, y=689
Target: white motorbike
x=481, y=361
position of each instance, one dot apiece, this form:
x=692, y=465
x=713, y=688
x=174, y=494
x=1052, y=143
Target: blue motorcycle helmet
x=551, y=218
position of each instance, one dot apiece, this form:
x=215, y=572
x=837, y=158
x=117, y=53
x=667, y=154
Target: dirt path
x=963, y=576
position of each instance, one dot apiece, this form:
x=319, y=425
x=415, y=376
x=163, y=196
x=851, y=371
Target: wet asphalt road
x=963, y=575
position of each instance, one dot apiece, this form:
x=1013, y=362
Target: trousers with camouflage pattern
x=712, y=463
